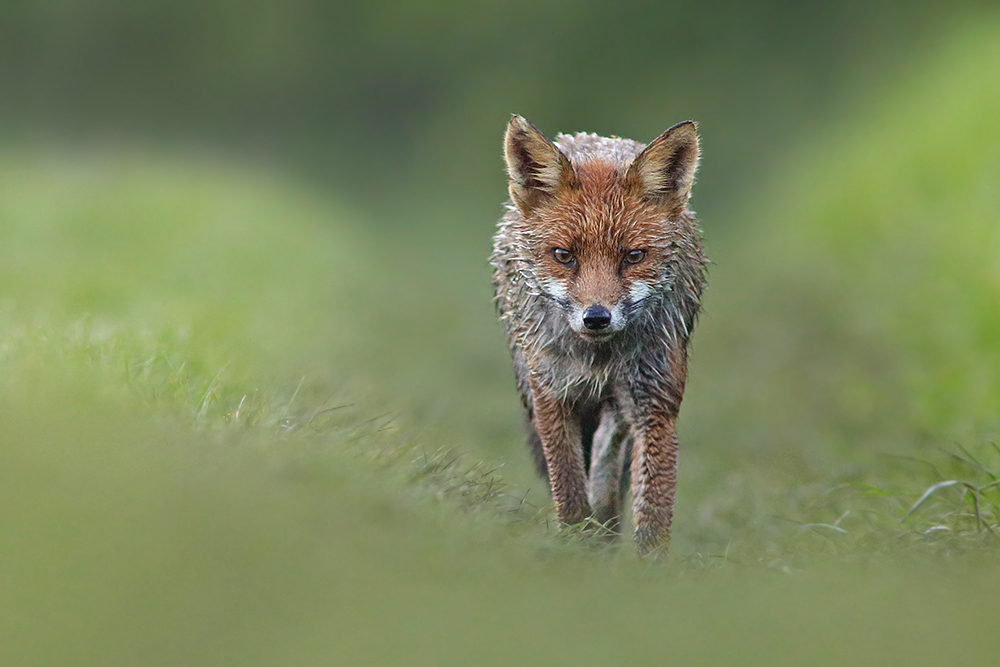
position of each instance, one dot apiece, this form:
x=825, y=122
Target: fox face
x=599, y=254
x=604, y=235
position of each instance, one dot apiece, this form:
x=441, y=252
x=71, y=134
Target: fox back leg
x=607, y=459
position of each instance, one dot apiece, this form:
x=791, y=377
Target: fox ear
x=538, y=170
x=664, y=172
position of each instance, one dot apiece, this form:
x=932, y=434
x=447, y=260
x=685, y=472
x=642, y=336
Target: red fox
x=598, y=269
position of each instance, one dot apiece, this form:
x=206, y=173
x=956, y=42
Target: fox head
x=605, y=231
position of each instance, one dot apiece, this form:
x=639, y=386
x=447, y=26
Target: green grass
x=243, y=426
x=889, y=244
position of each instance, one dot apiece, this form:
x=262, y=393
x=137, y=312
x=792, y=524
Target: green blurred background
x=363, y=95
x=256, y=408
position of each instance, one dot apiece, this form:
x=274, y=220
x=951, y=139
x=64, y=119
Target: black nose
x=597, y=318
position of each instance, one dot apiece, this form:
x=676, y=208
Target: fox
x=598, y=273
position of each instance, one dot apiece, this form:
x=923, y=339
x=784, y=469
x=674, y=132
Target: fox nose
x=596, y=318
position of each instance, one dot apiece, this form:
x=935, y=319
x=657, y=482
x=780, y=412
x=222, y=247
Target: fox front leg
x=559, y=431
x=655, y=397
x=654, y=481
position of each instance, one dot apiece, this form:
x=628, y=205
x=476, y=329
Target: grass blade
x=934, y=488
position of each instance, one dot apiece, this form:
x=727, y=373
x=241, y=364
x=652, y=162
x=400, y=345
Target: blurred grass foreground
x=241, y=426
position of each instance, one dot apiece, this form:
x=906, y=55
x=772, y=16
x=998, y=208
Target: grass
x=242, y=426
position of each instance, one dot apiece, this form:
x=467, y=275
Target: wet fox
x=598, y=269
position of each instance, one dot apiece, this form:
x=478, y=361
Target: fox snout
x=597, y=318
x=596, y=321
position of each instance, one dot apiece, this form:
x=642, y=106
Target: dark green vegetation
x=244, y=426
x=412, y=93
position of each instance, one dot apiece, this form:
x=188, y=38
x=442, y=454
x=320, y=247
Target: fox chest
x=578, y=378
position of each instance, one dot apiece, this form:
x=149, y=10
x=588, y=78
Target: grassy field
x=245, y=426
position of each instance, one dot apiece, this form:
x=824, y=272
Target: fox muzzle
x=597, y=318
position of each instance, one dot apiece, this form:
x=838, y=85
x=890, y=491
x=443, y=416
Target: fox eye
x=563, y=256
x=635, y=256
